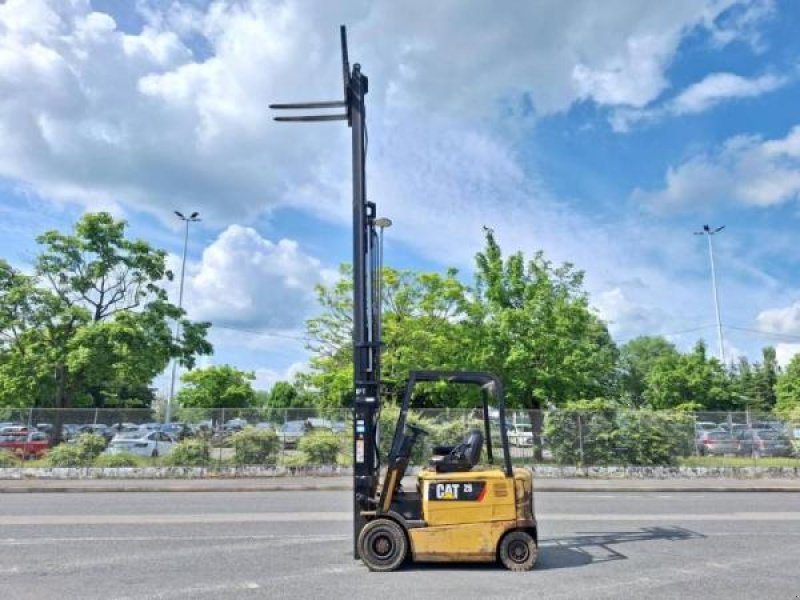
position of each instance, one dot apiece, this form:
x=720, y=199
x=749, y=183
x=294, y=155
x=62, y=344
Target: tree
x=92, y=326
x=530, y=323
x=788, y=389
x=765, y=378
x=636, y=360
x=219, y=386
x=690, y=382
x=422, y=328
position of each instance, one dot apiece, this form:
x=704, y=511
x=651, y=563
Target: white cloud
x=94, y=115
x=267, y=377
x=746, y=169
x=722, y=86
x=625, y=315
x=785, y=352
x=700, y=97
x=784, y=320
x=244, y=280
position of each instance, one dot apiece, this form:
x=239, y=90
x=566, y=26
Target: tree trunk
x=537, y=424
x=60, y=402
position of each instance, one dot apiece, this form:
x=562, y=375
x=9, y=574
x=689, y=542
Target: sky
x=603, y=133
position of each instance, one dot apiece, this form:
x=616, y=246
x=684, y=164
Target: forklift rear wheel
x=382, y=545
x=518, y=551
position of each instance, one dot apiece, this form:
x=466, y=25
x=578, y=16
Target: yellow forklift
x=459, y=511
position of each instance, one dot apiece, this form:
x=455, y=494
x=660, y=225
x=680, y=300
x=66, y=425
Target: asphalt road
x=298, y=544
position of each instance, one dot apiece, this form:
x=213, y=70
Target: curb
x=67, y=489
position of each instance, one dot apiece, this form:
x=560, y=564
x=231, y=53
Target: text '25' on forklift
x=459, y=511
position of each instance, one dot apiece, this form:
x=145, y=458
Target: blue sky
x=602, y=133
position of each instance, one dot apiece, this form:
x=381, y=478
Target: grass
x=738, y=461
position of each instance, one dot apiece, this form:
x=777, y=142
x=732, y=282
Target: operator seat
x=462, y=457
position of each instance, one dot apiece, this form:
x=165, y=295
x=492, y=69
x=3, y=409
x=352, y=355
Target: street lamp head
x=180, y=214
x=383, y=222
x=194, y=215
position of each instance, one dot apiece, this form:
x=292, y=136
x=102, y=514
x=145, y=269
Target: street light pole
x=193, y=218
x=708, y=232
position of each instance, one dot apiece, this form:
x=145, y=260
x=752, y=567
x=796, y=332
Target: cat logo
x=447, y=491
x=463, y=491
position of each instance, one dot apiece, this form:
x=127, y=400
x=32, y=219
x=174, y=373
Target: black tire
x=518, y=551
x=382, y=545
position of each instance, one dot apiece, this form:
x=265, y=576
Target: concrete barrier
x=256, y=471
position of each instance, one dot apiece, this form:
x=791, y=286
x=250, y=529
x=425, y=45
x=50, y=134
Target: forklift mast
x=367, y=266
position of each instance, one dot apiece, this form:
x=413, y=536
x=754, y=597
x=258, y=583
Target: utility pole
x=193, y=218
x=709, y=232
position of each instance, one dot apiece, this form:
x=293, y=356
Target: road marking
x=295, y=517
x=156, y=519
x=38, y=541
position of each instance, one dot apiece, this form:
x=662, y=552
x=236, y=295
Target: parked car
x=15, y=430
x=180, y=431
x=520, y=434
x=705, y=426
x=69, y=431
x=717, y=442
x=117, y=428
x=98, y=429
x=33, y=444
x=290, y=432
x=236, y=424
x=764, y=442
x=143, y=443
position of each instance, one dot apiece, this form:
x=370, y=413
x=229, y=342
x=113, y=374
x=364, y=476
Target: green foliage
x=788, y=389
x=191, y=452
x=420, y=330
x=255, y=447
x=66, y=455
x=530, y=323
x=690, y=382
x=321, y=447
x=636, y=360
x=284, y=401
x=90, y=445
x=219, y=386
x=92, y=326
x=600, y=432
x=8, y=459
x=122, y=459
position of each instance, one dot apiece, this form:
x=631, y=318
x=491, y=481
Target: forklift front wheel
x=382, y=545
x=518, y=551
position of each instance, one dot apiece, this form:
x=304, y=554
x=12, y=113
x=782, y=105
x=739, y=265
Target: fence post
x=580, y=440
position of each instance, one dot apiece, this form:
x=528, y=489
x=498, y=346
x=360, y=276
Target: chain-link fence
x=297, y=437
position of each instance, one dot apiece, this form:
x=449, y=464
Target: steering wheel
x=417, y=431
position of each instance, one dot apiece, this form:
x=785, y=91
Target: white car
x=143, y=443
x=520, y=434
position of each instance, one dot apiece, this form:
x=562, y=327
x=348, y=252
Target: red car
x=26, y=445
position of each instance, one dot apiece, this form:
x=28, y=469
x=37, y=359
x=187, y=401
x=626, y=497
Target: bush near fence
x=583, y=433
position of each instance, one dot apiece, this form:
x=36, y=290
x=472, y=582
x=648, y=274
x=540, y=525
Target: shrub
x=123, y=459
x=255, y=446
x=8, y=459
x=321, y=447
x=65, y=455
x=597, y=433
x=90, y=445
x=189, y=453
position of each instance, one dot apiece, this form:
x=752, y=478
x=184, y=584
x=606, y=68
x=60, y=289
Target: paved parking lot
x=297, y=545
